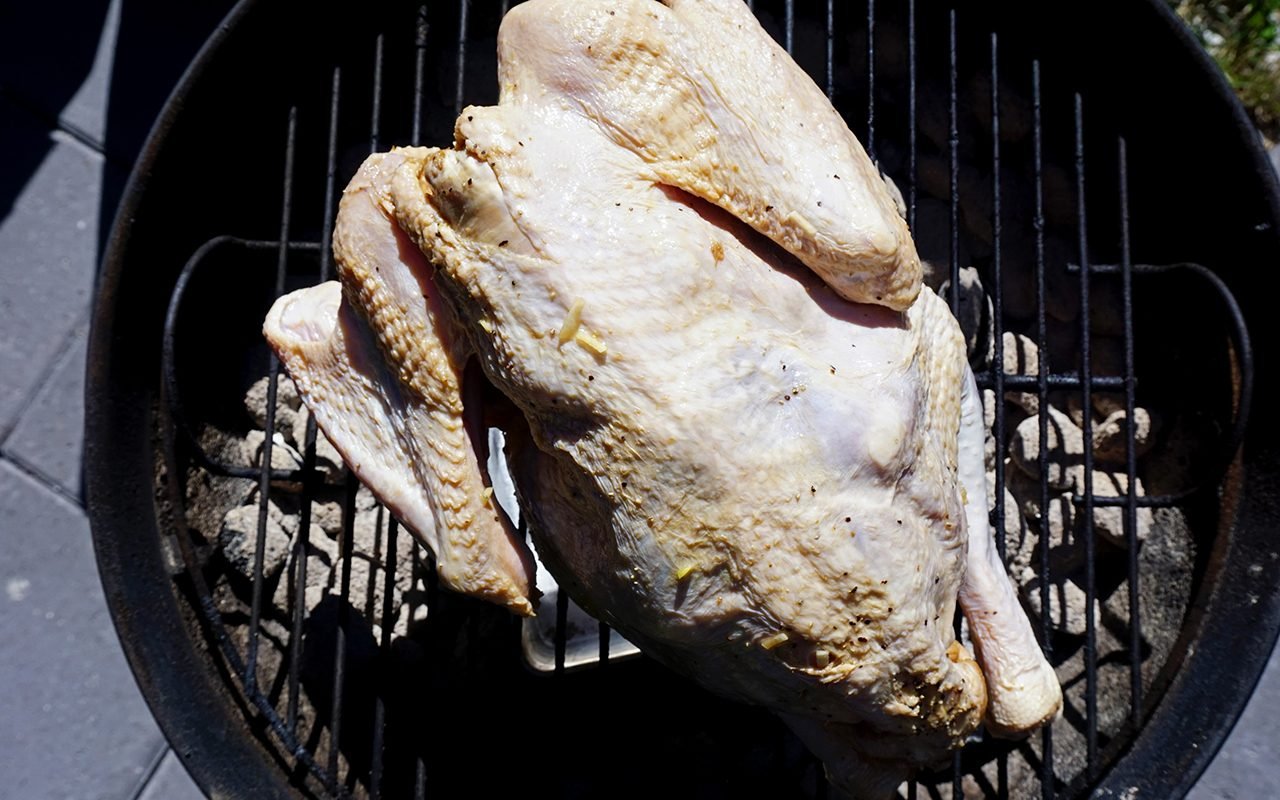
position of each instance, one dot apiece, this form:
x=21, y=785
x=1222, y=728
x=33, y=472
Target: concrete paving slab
x=49, y=435
x=74, y=724
x=1248, y=765
x=86, y=112
x=48, y=260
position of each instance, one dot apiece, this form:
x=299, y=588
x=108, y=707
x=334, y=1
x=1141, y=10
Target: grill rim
x=194, y=708
x=213, y=738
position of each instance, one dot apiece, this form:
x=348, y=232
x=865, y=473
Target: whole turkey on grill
x=746, y=435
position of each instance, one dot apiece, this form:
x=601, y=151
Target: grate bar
x=375, y=122
x=340, y=631
x=997, y=300
x=953, y=155
x=389, y=556
x=303, y=541
x=464, y=6
x=384, y=645
x=831, y=50
x=871, y=81
x=1047, y=787
x=273, y=380
x=422, y=27
x=953, y=152
x=913, y=171
x=331, y=169
x=1054, y=381
x=1086, y=399
x=997, y=370
x=300, y=547
x=790, y=23
x=912, y=178
x=1121, y=501
x=1131, y=450
x=348, y=511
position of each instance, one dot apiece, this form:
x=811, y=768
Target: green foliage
x=1244, y=38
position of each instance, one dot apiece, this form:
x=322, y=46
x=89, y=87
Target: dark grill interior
x=1013, y=157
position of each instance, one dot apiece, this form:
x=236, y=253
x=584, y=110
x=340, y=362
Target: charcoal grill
x=1086, y=157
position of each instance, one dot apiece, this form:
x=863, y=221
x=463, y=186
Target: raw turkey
x=742, y=432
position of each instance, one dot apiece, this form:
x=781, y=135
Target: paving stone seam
x=150, y=773
x=34, y=474
x=23, y=101
x=47, y=372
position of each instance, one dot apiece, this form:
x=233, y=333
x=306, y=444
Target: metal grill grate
x=313, y=750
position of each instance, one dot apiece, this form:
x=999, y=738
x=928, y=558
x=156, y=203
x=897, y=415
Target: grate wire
x=1131, y=448
x=1047, y=787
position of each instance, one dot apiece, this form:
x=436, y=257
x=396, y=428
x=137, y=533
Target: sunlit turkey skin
x=766, y=486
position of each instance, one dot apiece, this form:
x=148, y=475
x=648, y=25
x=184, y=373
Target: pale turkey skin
x=757, y=481
x=667, y=82
x=729, y=429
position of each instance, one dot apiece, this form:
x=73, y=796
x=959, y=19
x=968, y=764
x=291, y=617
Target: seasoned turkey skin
x=747, y=435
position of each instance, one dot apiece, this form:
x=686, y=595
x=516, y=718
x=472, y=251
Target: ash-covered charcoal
x=1060, y=517
x=1110, y=436
x=371, y=546
x=973, y=311
x=328, y=515
x=238, y=538
x=321, y=555
x=372, y=551
x=1067, y=605
x=328, y=460
x=290, y=439
x=990, y=447
x=1109, y=520
x=1064, y=448
x=287, y=403
x=283, y=456
x=1021, y=356
x=1033, y=531
x=895, y=194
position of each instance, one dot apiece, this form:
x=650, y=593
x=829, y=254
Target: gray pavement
x=72, y=722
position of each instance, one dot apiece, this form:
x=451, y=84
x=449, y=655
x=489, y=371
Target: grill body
x=1116, y=157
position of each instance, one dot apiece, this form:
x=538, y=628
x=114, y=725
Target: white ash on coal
x=317, y=559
